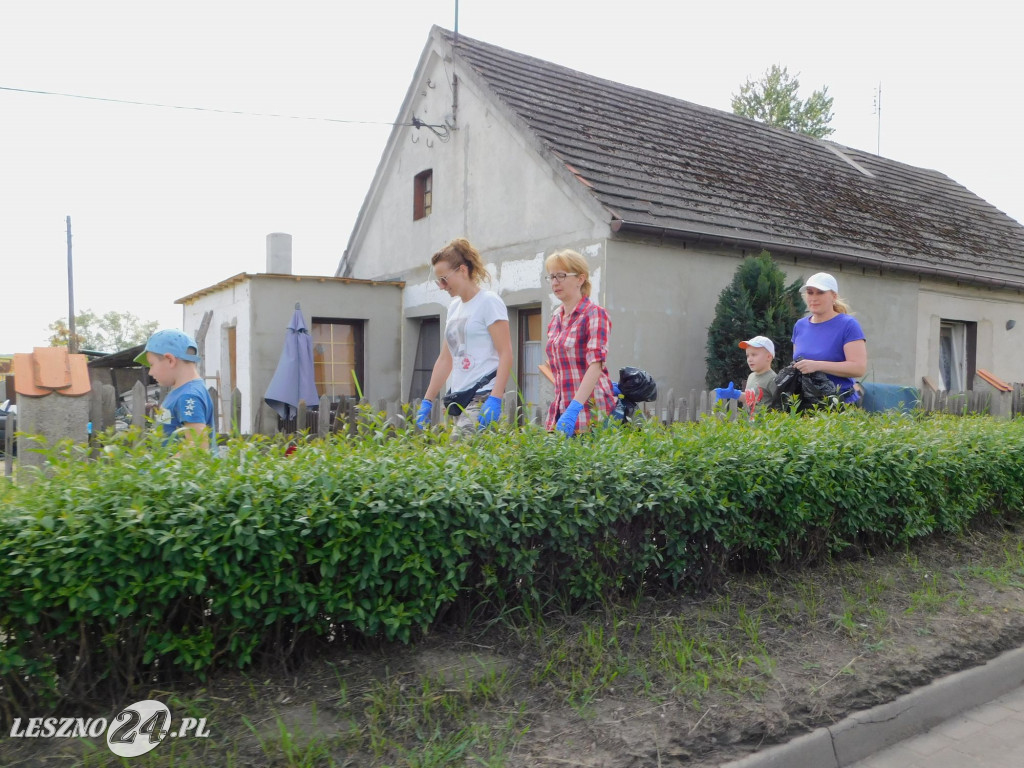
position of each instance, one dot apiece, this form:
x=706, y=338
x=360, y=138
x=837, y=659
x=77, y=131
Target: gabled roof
x=662, y=165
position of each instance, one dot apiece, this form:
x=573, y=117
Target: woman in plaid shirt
x=577, y=347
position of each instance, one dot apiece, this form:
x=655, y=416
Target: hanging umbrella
x=293, y=379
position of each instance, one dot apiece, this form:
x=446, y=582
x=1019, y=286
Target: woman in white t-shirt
x=477, y=352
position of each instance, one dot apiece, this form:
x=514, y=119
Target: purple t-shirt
x=824, y=341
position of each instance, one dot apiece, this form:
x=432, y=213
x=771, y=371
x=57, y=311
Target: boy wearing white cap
x=760, y=355
x=187, y=411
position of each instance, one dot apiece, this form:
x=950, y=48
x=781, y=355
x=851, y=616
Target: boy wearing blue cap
x=187, y=411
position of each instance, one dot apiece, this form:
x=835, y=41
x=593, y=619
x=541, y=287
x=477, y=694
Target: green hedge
x=144, y=566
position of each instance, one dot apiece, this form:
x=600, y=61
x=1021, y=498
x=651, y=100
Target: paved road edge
x=864, y=733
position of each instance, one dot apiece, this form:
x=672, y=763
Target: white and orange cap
x=760, y=341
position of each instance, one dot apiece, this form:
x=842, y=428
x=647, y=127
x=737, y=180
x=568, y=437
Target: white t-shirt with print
x=469, y=340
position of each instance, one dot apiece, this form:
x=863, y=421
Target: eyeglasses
x=442, y=281
x=560, y=276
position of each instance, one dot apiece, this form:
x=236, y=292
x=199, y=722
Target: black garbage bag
x=635, y=386
x=787, y=384
x=812, y=389
x=816, y=388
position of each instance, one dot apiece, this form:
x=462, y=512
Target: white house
x=665, y=198
x=240, y=325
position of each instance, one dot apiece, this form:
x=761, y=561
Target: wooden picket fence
x=344, y=416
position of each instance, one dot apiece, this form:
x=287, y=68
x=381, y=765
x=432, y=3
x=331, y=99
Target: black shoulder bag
x=456, y=402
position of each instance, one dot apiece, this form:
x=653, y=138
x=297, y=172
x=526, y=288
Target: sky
x=166, y=201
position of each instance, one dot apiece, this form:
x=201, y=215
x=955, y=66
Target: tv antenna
x=878, y=111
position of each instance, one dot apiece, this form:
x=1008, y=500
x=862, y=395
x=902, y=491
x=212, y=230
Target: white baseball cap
x=823, y=281
x=759, y=341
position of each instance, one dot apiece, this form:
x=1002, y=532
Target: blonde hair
x=570, y=261
x=458, y=252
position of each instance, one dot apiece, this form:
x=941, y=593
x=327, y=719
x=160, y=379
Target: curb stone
x=864, y=733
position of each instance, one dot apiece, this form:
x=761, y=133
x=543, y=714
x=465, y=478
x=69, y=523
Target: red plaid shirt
x=572, y=346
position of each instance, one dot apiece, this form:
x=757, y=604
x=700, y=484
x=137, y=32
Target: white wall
x=488, y=186
x=260, y=307
x=999, y=348
x=231, y=307
x=662, y=299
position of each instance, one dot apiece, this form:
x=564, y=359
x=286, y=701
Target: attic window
x=423, y=194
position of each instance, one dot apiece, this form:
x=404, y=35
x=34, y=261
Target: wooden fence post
x=927, y=400
x=510, y=407
x=670, y=404
x=215, y=398
x=236, y=411
x=139, y=396
x=9, y=429
x=323, y=416
x=102, y=405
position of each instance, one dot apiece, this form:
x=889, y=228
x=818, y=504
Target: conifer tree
x=756, y=303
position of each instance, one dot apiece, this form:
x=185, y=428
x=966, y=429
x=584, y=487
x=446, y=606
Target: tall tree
x=110, y=332
x=773, y=100
x=756, y=303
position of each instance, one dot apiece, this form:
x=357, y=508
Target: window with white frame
x=957, y=342
x=423, y=194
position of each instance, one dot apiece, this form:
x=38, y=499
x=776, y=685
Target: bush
x=756, y=303
x=146, y=566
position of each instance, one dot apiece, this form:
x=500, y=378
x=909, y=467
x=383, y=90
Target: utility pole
x=72, y=338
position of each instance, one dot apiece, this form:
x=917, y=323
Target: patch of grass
x=294, y=747
x=694, y=659
x=583, y=664
x=446, y=718
x=930, y=595
x=1007, y=574
x=811, y=598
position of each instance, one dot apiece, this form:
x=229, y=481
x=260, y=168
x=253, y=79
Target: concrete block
x=812, y=750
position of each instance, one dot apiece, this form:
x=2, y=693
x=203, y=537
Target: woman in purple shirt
x=830, y=339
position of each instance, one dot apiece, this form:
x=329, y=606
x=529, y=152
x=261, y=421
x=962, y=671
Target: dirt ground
x=624, y=687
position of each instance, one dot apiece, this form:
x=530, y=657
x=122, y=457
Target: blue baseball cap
x=170, y=342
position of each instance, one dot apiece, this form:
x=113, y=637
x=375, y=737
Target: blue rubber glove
x=615, y=390
x=490, y=411
x=566, y=423
x=728, y=393
x=423, y=415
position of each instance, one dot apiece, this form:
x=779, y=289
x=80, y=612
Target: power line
x=206, y=109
